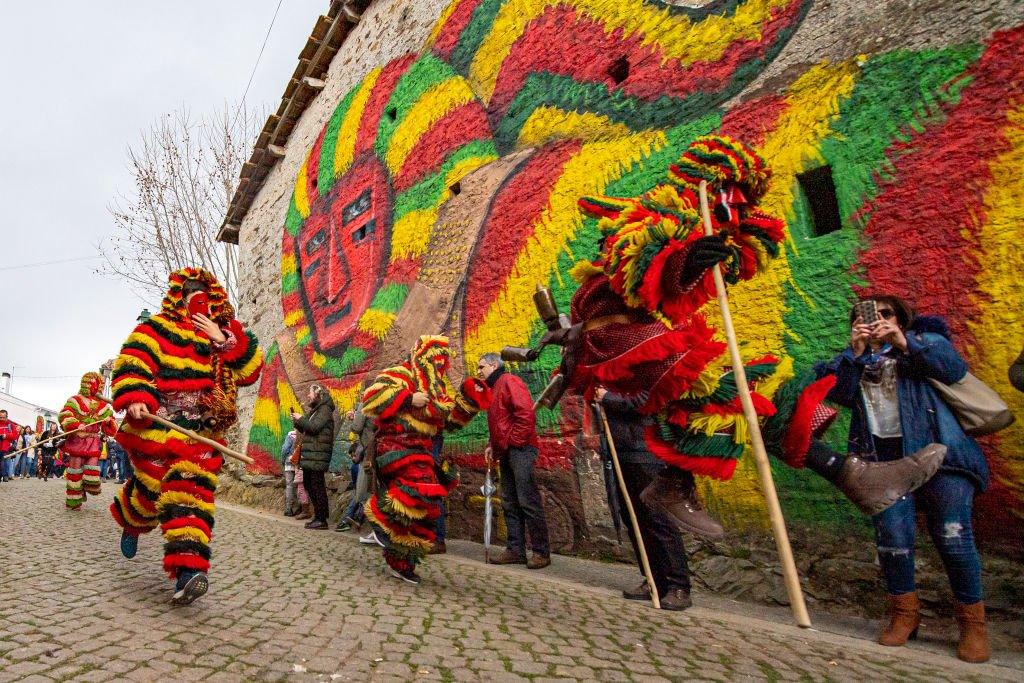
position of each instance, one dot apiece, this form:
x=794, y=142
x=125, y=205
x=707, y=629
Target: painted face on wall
x=342, y=250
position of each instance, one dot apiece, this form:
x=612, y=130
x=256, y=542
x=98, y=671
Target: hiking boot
x=676, y=600
x=407, y=575
x=508, y=557
x=538, y=561
x=129, y=544
x=316, y=525
x=307, y=512
x=439, y=548
x=876, y=486
x=641, y=592
x=674, y=499
x=190, y=586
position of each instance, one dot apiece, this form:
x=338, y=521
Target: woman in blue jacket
x=884, y=377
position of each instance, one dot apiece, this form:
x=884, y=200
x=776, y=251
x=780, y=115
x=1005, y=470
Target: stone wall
x=434, y=181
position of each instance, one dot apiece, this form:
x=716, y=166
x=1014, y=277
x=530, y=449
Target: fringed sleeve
x=135, y=371
x=244, y=357
x=473, y=397
x=388, y=393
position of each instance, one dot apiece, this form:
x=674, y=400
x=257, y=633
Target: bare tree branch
x=185, y=173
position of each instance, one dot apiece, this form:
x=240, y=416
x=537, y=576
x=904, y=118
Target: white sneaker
x=370, y=539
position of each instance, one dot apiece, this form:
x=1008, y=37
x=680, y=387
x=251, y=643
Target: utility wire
x=49, y=263
x=270, y=28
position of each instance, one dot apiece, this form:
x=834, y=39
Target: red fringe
x=182, y=522
x=716, y=468
x=798, y=435
x=176, y=561
x=188, y=487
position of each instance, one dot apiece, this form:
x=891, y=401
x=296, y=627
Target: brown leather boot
x=973, y=645
x=677, y=501
x=508, y=557
x=904, y=618
x=676, y=600
x=641, y=592
x=876, y=486
x=538, y=561
x=307, y=512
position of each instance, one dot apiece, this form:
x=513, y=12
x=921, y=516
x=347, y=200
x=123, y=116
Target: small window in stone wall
x=820, y=191
x=619, y=70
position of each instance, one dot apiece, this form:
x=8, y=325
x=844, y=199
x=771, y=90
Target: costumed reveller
x=411, y=403
x=638, y=326
x=91, y=415
x=183, y=364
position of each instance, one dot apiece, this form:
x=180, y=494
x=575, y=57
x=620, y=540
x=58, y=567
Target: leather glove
x=703, y=254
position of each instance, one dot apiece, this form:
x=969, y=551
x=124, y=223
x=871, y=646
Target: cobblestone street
x=288, y=604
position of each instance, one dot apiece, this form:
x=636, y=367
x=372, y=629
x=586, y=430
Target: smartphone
x=867, y=311
x=200, y=303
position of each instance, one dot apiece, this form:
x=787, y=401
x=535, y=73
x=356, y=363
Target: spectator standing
x=363, y=445
x=23, y=460
x=884, y=376
x=8, y=443
x=48, y=451
x=291, y=507
x=317, y=430
x=514, y=445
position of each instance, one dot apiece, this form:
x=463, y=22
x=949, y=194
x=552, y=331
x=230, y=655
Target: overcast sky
x=80, y=82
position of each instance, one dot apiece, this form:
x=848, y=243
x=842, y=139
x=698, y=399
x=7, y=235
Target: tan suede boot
x=973, y=645
x=904, y=618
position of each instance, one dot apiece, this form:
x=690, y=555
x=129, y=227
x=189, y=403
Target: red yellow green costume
x=411, y=486
x=179, y=374
x=83, y=448
x=639, y=310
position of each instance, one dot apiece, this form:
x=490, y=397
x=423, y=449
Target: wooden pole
x=764, y=469
x=201, y=439
x=644, y=562
x=36, y=444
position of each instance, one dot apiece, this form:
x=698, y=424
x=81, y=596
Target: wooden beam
x=314, y=83
x=276, y=151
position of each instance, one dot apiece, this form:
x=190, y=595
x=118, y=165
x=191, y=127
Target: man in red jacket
x=8, y=439
x=514, y=445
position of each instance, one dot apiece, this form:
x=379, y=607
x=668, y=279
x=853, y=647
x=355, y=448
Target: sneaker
x=408, y=575
x=676, y=600
x=190, y=586
x=371, y=539
x=344, y=525
x=538, y=561
x=508, y=557
x=129, y=544
x=641, y=592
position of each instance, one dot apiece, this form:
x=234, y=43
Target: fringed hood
x=92, y=384
x=173, y=305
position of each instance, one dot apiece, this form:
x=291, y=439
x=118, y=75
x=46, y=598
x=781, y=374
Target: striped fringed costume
x=177, y=373
x=411, y=487
x=83, y=448
x=639, y=303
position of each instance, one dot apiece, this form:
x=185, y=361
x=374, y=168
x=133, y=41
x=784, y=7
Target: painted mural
x=562, y=99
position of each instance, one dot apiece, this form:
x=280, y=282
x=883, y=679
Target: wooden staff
x=201, y=439
x=644, y=562
x=764, y=469
x=52, y=438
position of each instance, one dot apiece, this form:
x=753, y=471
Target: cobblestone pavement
x=290, y=604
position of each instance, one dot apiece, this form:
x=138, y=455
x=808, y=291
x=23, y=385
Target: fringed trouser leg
x=186, y=509
x=406, y=506
x=74, y=496
x=134, y=508
x=91, y=475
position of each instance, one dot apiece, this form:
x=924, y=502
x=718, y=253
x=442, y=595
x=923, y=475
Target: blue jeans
x=8, y=468
x=521, y=502
x=103, y=467
x=947, y=500
x=21, y=465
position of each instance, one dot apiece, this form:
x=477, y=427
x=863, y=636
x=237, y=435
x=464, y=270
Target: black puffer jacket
x=317, y=430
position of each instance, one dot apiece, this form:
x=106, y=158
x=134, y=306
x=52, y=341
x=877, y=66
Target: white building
x=25, y=413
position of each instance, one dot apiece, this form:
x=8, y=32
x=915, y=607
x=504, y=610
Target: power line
x=270, y=28
x=49, y=263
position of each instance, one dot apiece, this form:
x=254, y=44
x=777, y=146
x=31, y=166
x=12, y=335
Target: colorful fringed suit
x=83, y=448
x=640, y=326
x=179, y=374
x=410, y=486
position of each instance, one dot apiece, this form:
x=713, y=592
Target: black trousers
x=521, y=502
x=664, y=544
x=316, y=487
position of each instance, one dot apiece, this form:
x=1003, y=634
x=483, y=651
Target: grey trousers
x=289, y=491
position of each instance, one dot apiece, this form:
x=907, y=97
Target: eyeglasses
x=887, y=313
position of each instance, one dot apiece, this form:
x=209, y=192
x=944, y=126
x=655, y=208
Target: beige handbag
x=976, y=405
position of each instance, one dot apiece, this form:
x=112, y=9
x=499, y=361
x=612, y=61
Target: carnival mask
x=341, y=252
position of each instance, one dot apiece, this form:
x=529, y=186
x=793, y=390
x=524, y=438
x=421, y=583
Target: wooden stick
x=645, y=563
x=764, y=468
x=201, y=439
x=36, y=444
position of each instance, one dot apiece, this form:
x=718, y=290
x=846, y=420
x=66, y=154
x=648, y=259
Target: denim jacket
x=924, y=416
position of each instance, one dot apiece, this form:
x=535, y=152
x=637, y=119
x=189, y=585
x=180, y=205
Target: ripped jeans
x=947, y=500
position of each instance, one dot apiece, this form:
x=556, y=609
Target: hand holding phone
x=867, y=311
